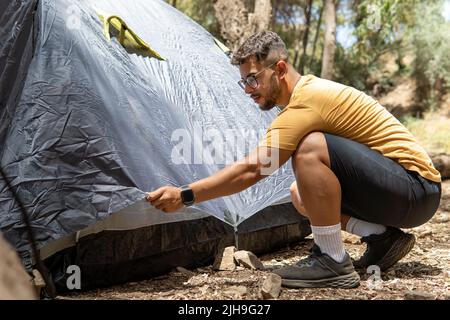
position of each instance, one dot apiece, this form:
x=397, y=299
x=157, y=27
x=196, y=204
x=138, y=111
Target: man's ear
x=282, y=69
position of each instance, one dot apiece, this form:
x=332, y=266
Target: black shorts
x=377, y=189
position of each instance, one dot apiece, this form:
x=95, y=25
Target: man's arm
x=259, y=164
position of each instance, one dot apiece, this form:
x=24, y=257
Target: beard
x=272, y=95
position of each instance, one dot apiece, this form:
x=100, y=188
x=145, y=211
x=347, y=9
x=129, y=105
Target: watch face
x=187, y=196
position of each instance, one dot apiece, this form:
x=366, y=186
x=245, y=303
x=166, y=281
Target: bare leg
x=320, y=192
x=298, y=204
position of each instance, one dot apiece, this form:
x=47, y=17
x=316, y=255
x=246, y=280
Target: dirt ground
x=425, y=271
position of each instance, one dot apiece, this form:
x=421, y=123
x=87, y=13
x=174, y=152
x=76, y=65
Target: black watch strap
x=187, y=195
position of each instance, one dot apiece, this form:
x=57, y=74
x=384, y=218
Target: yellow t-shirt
x=326, y=106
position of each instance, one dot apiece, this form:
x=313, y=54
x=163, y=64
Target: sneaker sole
x=397, y=252
x=346, y=282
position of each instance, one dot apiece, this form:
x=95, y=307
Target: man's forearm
x=258, y=164
x=229, y=180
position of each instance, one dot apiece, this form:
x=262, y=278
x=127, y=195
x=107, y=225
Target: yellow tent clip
x=127, y=37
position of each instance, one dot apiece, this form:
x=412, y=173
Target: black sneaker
x=319, y=270
x=386, y=249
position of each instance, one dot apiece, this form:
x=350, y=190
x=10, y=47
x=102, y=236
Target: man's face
x=267, y=91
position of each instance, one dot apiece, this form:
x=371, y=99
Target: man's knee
x=312, y=149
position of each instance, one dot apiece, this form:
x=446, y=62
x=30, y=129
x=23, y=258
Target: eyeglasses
x=251, y=80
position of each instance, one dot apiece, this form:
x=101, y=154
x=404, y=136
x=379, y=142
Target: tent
x=101, y=101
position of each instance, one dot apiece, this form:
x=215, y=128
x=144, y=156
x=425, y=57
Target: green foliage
x=430, y=41
x=432, y=131
x=399, y=28
x=379, y=26
x=202, y=12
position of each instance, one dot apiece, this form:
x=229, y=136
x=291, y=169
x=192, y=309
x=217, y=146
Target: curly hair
x=260, y=45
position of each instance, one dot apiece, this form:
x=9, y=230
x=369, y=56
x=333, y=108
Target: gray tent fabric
x=16, y=47
x=87, y=127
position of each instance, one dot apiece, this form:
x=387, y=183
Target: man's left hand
x=167, y=199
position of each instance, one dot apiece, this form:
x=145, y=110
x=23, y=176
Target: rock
x=425, y=234
x=442, y=219
x=419, y=295
x=15, y=283
x=271, y=267
x=394, y=284
x=441, y=162
x=167, y=293
x=185, y=271
x=433, y=262
x=350, y=238
x=271, y=287
x=203, y=289
x=447, y=276
x=38, y=282
x=225, y=259
x=248, y=260
x=236, y=291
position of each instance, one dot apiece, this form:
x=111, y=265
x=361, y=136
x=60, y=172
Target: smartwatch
x=187, y=196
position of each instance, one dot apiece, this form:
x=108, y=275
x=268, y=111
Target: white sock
x=329, y=240
x=363, y=228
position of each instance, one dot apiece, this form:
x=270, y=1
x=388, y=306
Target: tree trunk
x=330, y=39
x=296, y=53
x=237, y=22
x=316, y=37
x=305, y=35
x=273, y=18
x=174, y=3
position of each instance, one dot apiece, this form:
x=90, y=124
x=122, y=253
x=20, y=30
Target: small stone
x=447, y=276
x=425, y=234
x=38, y=280
x=443, y=219
x=185, y=271
x=236, y=291
x=271, y=267
x=350, y=238
x=203, y=289
x=433, y=262
x=419, y=295
x=394, y=283
x=225, y=259
x=248, y=260
x=271, y=287
x=167, y=293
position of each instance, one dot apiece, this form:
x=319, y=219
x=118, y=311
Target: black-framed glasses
x=252, y=81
